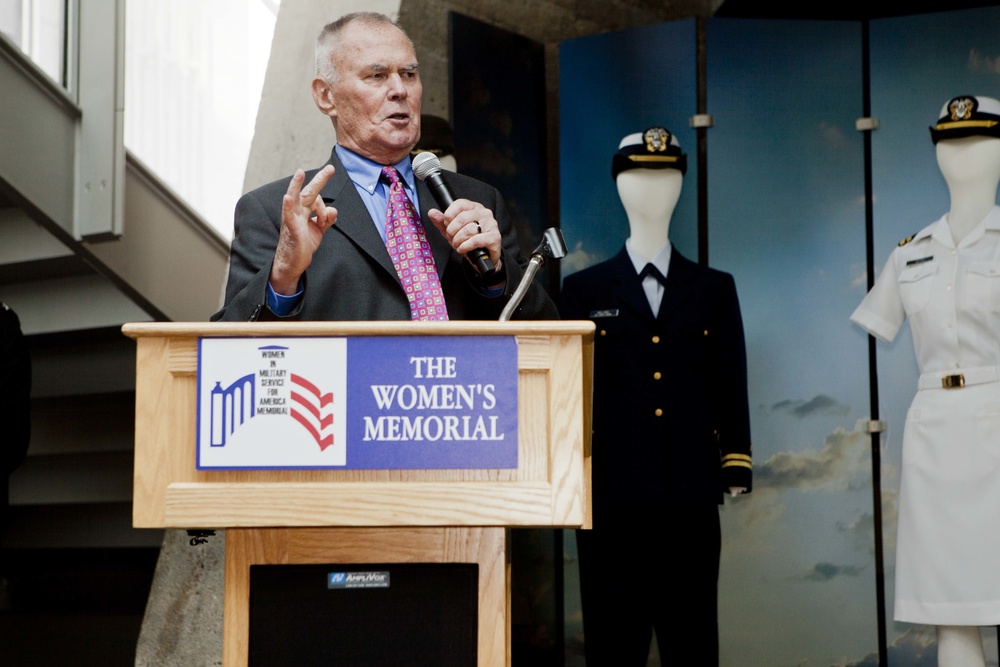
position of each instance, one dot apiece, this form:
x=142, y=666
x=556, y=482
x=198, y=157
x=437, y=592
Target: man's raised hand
x=304, y=219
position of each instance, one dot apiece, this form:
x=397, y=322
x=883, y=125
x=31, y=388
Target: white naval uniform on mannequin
x=946, y=280
x=947, y=542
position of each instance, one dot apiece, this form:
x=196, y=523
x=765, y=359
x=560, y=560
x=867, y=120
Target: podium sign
x=366, y=403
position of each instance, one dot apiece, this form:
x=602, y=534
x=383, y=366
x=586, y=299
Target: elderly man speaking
x=351, y=241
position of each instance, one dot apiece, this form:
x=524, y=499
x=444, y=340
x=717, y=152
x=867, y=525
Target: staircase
x=76, y=575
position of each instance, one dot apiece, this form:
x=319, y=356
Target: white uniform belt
x=960, y=378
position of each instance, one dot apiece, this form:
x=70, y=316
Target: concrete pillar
x=183, y=622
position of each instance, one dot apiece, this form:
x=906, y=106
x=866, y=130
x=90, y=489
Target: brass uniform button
x=603, y=332
x=656, y=375
x=658, y=412
x=706, y=332
x=656, y=339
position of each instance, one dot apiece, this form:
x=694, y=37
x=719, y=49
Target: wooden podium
x=368, y=516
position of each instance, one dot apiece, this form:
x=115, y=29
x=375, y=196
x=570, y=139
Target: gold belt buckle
x=956, y=381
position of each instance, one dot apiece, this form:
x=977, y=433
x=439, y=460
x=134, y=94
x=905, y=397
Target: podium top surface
x=250, y=329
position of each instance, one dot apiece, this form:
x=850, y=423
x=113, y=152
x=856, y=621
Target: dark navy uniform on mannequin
x=671, y=425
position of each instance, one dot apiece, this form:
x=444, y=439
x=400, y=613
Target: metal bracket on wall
x=701, y=120
x=866, y=124
x=873, y=426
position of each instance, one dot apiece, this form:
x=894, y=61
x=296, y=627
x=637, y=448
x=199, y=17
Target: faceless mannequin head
x=971, y=168
x=649, y=170
x=437, y=137
x=649, y=197
x=448, y=163
x=967, y=135
x=650, y=194
x=969, y=159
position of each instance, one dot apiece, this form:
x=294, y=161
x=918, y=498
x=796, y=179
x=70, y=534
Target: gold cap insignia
x=657, y=139
x=961, y=108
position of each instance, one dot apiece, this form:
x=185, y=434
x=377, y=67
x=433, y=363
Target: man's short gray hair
x=329, y=39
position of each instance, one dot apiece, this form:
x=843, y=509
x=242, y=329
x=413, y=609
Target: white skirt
x=948, y=539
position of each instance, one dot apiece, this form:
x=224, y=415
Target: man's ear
x=322, y=93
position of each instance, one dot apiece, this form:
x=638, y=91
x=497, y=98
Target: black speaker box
x=364, y=615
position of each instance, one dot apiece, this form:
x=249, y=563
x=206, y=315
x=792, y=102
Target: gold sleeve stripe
x=737, y=464
x=652, y=158
x=966, y=123
x=741, y=457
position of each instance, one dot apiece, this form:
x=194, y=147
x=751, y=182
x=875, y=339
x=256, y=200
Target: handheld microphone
x=427, y=168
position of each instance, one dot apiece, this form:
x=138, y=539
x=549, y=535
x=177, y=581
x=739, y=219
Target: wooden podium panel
x=548, y=488
x=368, y=516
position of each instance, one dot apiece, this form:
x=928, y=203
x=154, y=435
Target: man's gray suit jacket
x=351, y=276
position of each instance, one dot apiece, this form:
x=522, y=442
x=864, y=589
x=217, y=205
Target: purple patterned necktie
x=406, y=241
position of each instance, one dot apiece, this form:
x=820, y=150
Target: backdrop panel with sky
x=786, y=216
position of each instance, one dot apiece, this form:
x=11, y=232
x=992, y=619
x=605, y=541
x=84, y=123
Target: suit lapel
x=353, y=219
x=627, y=284
x=680, y=274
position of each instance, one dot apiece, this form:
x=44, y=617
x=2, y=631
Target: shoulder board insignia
x=906, y=240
